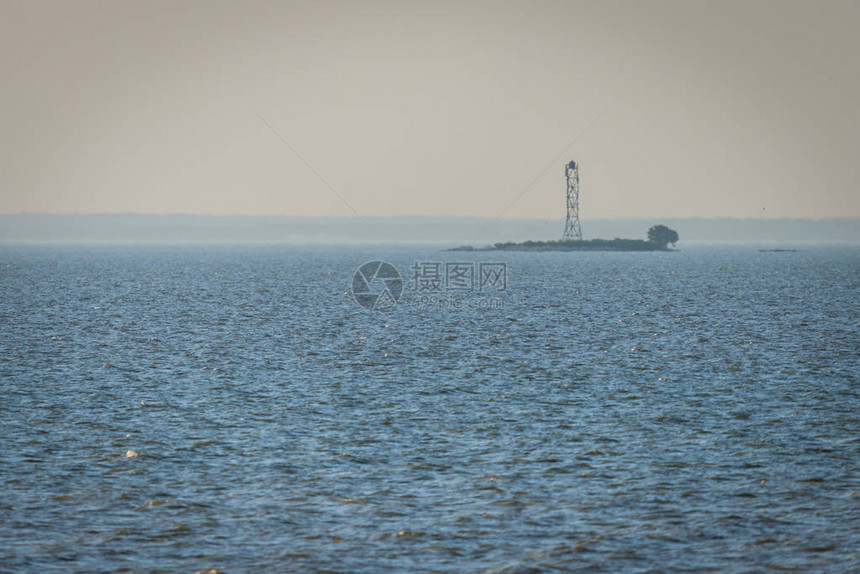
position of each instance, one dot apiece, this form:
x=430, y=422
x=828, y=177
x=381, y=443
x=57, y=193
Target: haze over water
x=173, y=409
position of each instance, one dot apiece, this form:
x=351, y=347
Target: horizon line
x=415, y=216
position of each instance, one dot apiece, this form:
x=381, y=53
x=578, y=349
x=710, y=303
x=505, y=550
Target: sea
x=277, y=408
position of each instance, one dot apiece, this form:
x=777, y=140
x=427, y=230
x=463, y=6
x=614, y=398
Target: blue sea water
x=171, y=409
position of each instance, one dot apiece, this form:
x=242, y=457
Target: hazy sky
x=436, y=108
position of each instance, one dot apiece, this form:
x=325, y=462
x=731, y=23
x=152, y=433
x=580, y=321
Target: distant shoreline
x=441, y=231
x=572, y=245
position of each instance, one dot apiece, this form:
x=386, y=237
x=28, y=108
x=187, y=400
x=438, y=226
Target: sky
x=467, y=108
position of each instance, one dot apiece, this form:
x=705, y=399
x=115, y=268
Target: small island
x=659, y=239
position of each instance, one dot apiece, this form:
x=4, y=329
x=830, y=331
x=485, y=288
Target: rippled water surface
x=174, y=409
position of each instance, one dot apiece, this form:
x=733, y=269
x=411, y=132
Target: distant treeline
x=449, y=231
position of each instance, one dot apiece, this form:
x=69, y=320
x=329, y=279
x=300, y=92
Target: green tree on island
x=662, y=236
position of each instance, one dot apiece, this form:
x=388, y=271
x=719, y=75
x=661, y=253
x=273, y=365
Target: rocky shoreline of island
x=659, y=239
x=571, y=245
